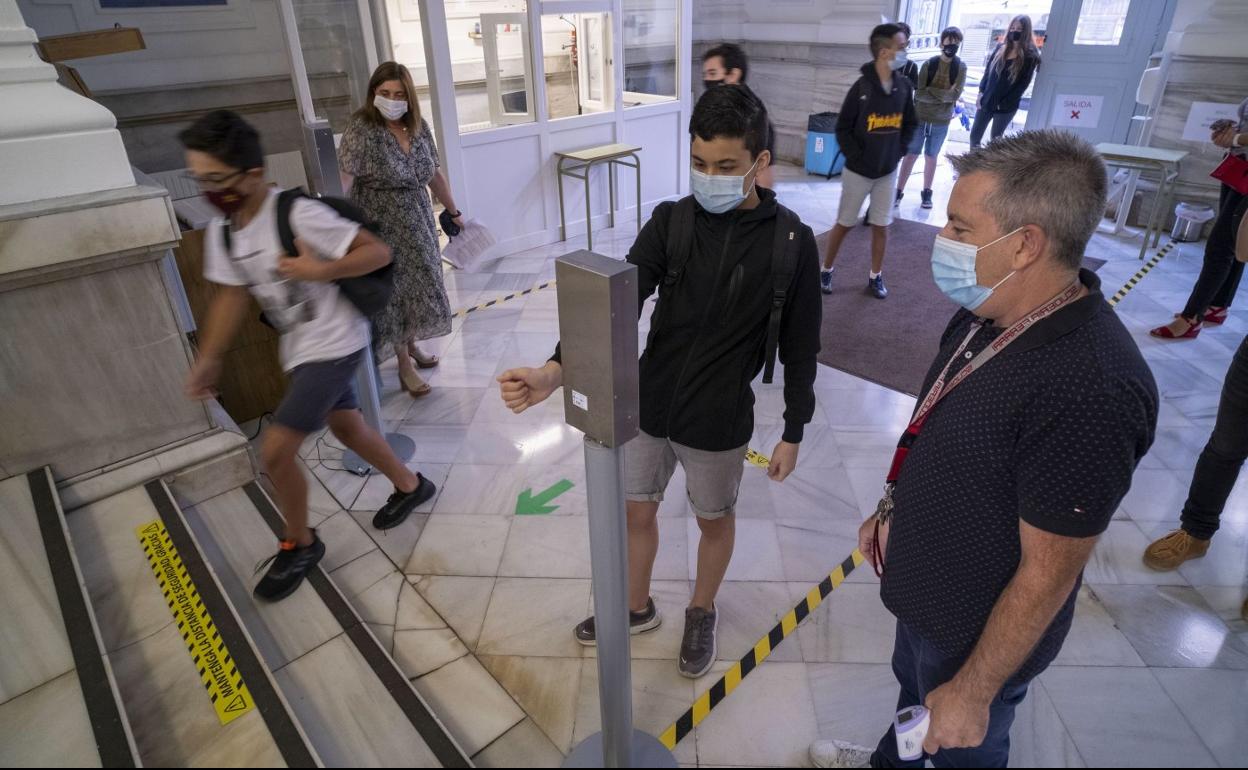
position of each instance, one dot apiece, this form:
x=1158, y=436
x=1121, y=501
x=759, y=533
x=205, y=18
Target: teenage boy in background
x=715, y=256
x=876, y=124
x=323, y=337
x=727, y=65
x=940, y=86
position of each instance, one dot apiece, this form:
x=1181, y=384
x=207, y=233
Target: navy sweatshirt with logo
x=875, y=126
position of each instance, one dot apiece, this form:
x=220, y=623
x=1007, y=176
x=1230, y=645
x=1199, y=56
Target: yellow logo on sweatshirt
x=876, y=122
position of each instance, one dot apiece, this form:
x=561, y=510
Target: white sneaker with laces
x=839, y=754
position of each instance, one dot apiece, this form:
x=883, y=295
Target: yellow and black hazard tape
x=729, y=682
x=756, y=459
x=1135, y=279
x=229, y=694
x=500, y=300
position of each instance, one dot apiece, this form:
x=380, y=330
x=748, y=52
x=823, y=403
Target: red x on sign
x=1074, y=114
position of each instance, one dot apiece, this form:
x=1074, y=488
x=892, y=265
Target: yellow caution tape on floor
x=1135, y=279
x=704, y=705
x=501, y=300
x=230, y=697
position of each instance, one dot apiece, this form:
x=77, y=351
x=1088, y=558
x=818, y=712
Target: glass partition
x=651, y=40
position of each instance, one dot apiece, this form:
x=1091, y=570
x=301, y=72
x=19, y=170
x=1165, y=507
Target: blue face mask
x=953, y=267
x=900, y=60
x=718, y=194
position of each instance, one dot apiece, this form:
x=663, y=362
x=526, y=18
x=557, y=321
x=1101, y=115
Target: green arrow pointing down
x=530, y=505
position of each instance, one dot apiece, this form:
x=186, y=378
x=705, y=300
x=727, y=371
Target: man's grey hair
x=1051, y=179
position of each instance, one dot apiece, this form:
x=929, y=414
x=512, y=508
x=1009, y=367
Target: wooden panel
x=252, y=381
x=83, y=45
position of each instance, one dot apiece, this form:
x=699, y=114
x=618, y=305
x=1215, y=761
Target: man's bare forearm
x=225, y=315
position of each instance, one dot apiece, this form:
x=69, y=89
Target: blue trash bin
x=823, y=152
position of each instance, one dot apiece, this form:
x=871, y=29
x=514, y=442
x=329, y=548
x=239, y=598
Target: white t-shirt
x=316, y=321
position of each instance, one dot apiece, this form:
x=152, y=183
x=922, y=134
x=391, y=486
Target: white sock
x=829, y=269
x=875, y=275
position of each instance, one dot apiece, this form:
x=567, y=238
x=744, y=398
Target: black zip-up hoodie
x=708, y=334
x=875, y=126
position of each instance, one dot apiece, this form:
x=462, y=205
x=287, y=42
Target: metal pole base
x=647, y=751
x=403, y=447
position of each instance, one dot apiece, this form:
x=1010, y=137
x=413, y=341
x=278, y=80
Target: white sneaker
x=839, y=754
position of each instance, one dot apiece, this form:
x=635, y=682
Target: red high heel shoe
x=1163, y=332
x=1216, y=316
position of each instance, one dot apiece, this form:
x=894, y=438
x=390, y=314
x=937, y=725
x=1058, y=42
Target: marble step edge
x=110, y=724
x=190, y=464
x=414, y=706
x=287, y=733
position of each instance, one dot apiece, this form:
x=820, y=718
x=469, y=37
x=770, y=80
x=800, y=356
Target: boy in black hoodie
x=876, y=125
x=714, y=261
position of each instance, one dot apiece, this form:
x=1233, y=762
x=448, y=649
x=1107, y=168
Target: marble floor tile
x=457, y=544
x=344, y=540
x=435, y=444
x=776, y=702
x=481, y=489
x=810, y=550
x=470, y=703
x=445, y=406
x=756, y=555
x=356, y=723
x=524, y=745
x=540, y=477
x=1118, y=559
x=886, y=411
x=853, y=702
x=535, y=617
x=460, y=601
x=1213, y=702
x=817, y=493
x=1226, y=564
x=547, y=546
x=362, y=573
x=378, y=488
x=660, y=695
x=546, y=688
x=1146, y=729
x=399, y=542
x=1157, y=496
x=507, y=444
x=1094, y=639
x=48, y=726
x=379, y=603
x=747, y=612
x=384, y=635
x=851, y=626
x=1039, y=738
x=422, y=651
x=862, y=448
x=819, y=449
x=1173, y=627
x=342, y=485
x=1228, y=602
x=414, y=613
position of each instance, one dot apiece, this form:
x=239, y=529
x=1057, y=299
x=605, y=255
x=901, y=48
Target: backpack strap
x=679, y=240
x=784, y=255
x=285, y=231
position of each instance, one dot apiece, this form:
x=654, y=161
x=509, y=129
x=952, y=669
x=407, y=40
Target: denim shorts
x=929, y=135
x=316, y=389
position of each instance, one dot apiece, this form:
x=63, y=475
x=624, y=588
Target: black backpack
x=784, y=255
x=933, y=64
x=369, y=293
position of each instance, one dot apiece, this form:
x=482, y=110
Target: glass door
x=508, y=68
x=594, y=75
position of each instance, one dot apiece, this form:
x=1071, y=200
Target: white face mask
x=390, y=109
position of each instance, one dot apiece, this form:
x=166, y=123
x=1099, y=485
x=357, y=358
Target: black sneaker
x=897, y=200
x=876, y=287
x=401, y=504
x=927, y=199
x=825, y=281
x=697, y=651
x=638, y=623
x=288, y=568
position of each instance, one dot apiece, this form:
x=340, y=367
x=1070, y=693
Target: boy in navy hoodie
x=876, y=125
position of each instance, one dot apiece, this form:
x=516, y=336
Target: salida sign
x=1075, y=111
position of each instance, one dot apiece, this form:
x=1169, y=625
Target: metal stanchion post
x=598, y=327
x=366, y=387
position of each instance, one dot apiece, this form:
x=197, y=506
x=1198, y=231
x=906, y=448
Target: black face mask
x=709, y=84
x=950, y=51
x=1016, y=36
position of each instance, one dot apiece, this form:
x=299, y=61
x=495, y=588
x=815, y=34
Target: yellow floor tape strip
x=225, y=686
x=501, y=300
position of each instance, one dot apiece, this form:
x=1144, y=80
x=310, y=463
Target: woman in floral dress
x=390, y=163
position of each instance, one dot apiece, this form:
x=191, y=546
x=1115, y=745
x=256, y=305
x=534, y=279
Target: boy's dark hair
x=882, y=36
x=906, y=28
x=227, y=137
x=732, y=111
x=732, y=56
x=952, y=33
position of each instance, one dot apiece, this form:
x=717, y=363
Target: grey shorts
x=316, y=389
x=713, y=478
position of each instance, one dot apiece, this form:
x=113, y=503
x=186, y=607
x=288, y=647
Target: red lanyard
x=943, y=386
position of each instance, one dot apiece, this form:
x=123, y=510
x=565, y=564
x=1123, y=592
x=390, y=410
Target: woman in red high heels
x=1219, y=276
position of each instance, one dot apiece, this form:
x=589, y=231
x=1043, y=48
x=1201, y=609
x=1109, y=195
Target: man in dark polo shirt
x=1008, y=478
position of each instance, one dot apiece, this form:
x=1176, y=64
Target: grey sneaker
x=638, y=623
x=697, y=651
x=839, y=754
x=825, y=281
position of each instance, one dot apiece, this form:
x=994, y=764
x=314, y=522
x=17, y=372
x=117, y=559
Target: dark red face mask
x=229, y=200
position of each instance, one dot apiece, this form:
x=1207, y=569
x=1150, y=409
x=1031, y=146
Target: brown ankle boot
x=1169, y=553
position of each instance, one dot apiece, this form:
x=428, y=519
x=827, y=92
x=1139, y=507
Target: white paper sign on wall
x=1203, y=115
x=1075, y=111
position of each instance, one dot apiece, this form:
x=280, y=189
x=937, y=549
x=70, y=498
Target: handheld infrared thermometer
x=911, y=727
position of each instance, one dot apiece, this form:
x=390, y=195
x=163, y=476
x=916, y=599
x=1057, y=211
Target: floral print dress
x=392, y=188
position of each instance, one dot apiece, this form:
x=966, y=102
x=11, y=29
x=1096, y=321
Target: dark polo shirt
x=1049, y=432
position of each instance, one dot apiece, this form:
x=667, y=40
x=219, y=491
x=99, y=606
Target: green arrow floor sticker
x=531, y=505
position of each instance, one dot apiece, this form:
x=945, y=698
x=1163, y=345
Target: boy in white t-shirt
x=324, y=338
